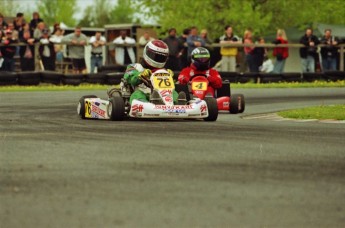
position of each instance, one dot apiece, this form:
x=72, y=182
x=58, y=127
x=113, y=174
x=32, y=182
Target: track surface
x=57, y=170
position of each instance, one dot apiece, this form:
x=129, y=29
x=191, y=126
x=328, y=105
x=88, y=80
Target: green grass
x=49, y=87
x=316, y=84
x=334, y=112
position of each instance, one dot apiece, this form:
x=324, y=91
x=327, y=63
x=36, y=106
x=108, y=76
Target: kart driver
x=201, y=66
x=155, y=56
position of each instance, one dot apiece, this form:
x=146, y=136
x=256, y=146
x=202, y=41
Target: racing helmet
x=156, y=54
x=201, y=58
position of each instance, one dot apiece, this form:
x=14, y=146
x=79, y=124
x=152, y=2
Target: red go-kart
x=199, y=87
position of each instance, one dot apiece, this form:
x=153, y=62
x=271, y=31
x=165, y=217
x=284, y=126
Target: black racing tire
x=237, y=104
x=212, y=109
x=116, y=108
x=81, y=105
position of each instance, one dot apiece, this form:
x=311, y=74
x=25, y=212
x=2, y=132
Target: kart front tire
x=81, y=105
x=116, y=108
x=212, y=109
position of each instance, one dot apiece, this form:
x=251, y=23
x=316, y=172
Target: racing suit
x=212, y=75
x=141, y=91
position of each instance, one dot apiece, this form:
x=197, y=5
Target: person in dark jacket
x=329, y=53
x=184, y=56
x=27, y=52
x=175, y=50
x=309, y=52
x=8, y=51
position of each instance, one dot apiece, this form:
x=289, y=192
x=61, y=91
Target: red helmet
x=156, y=53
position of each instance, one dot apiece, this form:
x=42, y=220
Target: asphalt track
x=57, y=170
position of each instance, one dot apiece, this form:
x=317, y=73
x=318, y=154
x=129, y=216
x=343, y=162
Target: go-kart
x=199, y=87
x=117, y=106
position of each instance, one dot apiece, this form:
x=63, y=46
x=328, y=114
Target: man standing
x=229, y=53
x=175, y=50
x=47, y=51
x=184, y=51
x=27, y=52
x=76, y=48
x=194, y=41
x=329, y=53
x=309, y=52
x=124, y=54
x=97, y=42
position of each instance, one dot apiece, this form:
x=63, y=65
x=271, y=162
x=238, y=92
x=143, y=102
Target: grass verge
x=334, y=112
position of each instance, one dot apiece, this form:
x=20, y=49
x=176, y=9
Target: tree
x=55, y=11
x=9, y=8
x=263, y=16
x=101, y=13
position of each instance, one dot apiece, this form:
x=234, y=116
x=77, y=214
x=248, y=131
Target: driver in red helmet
x=200, y=66
x=155, y=56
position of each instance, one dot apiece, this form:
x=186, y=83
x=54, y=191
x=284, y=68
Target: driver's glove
x=145, y=74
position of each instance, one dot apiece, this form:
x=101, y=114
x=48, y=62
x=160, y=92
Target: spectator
x=38, y=30
x=35, y=20
x=204, y=35
x=145, y=38
x=229, y=53
x=27, y=53
x=258, y=54
x=249, y=51
x=97, y=42
x=76, y=49
x=329, y=53
x=58, y=47
x=193, y=41
x=123, y=54
x=3, y=23
x=281, y=53
x=19, y=21
x=267, y=66
x=309, y=52
x=47, y=51
x=8, y=51
x=184, y=55
x=15, y=33
x=175, y=50
x=25, y=28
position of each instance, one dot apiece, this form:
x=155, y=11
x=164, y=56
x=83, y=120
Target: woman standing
x=281, y=53
x=249, y=51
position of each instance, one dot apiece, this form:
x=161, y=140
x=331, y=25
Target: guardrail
x=137, y=46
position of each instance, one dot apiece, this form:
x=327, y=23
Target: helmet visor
x=157, y=56
x=203, y=58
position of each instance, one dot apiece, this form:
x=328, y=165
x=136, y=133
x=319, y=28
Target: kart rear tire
x=212, y=109
x=116, y=108
x=81, y=105
x=237, y=104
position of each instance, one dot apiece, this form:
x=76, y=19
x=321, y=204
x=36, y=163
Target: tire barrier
x=112, y=78
x=29, y=78
x=8, y=78
x=51, y=77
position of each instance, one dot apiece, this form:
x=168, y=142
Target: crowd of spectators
x=256, y=59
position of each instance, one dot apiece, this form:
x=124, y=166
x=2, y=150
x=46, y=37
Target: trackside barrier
x=112, y=78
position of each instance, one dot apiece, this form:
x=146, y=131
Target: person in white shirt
x=124, y=55
x=267, y=66
x=97, y=42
